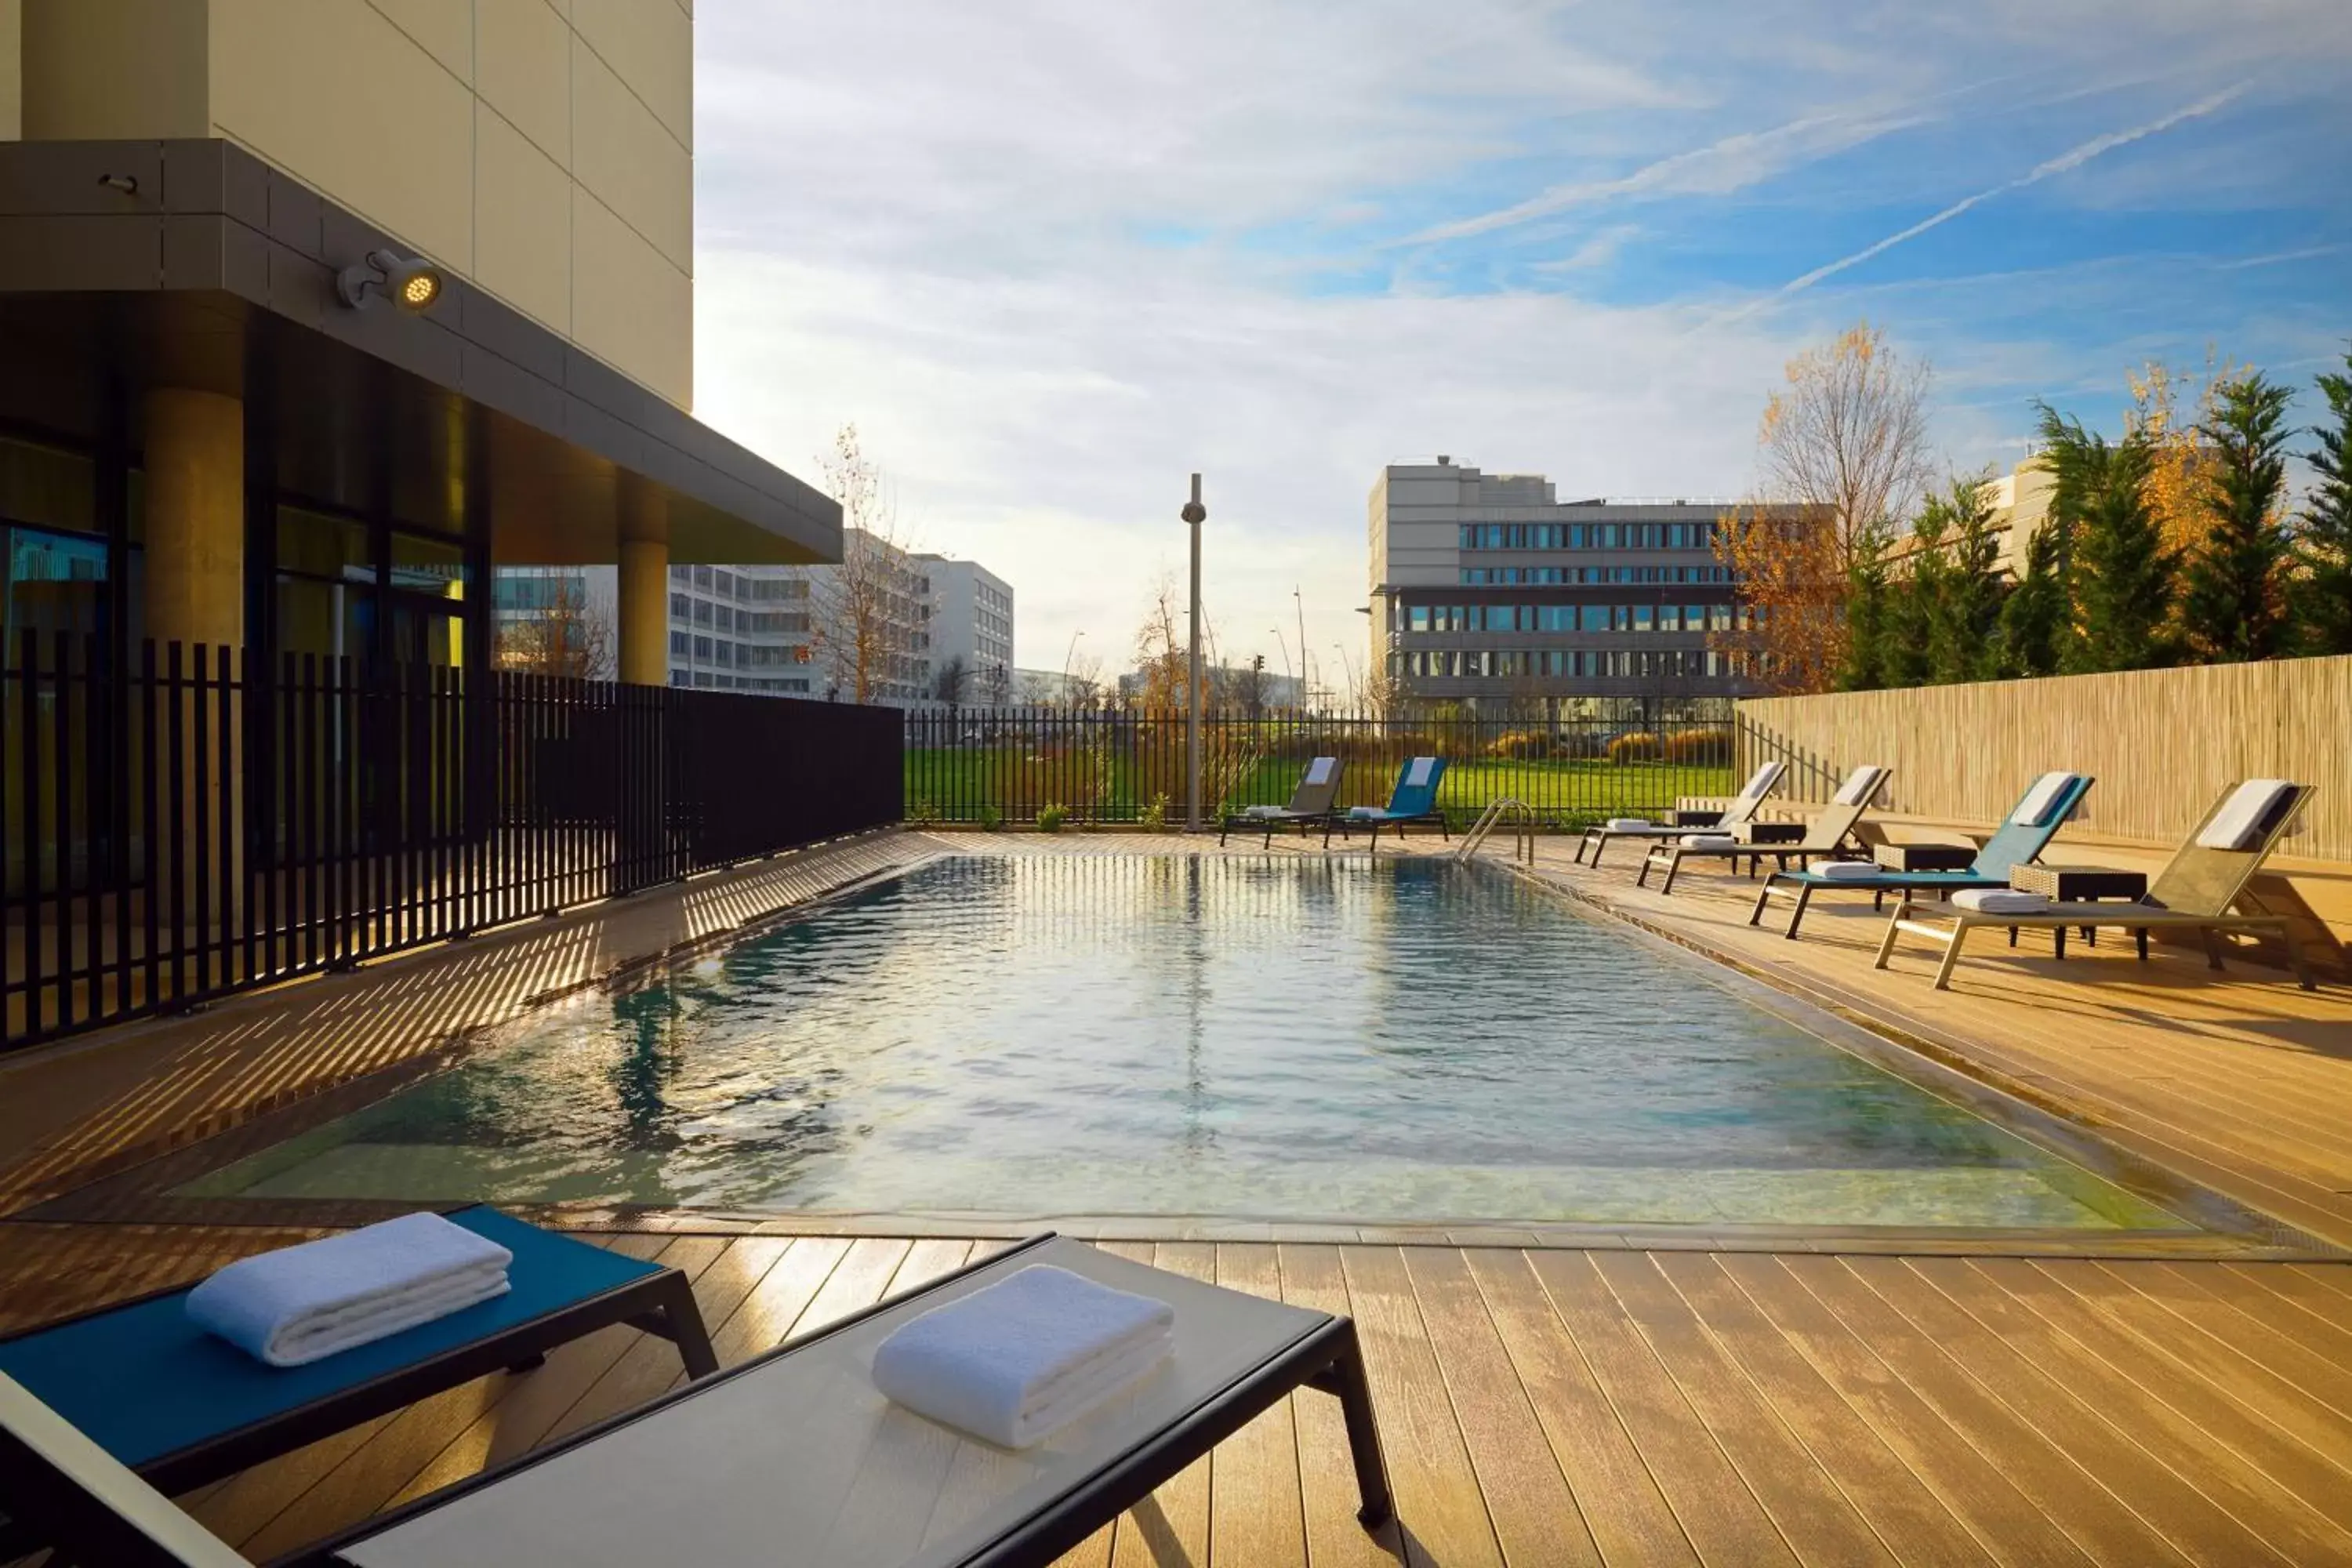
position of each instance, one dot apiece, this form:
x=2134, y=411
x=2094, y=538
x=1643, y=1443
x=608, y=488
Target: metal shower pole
x=1194, y=514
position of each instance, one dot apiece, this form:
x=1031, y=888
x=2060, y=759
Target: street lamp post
x=1195, y=514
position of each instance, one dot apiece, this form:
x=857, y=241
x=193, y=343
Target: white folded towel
x=1627, y=824
x=2238, y=825
x=1999, y=902
x=298, y=1304
x=1849, y=871
x=1018, y=1361
x=2033, y=811
x=1265, y=811
x=1707, y=841
x=1362, y=813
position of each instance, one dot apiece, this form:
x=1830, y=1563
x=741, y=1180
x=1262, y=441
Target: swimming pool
x=1299, y=1038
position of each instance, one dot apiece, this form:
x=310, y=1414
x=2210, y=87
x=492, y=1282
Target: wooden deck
x=1673, y=1404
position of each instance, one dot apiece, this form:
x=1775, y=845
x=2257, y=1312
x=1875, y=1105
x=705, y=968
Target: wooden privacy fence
x=2163, y=743
x=192, y=824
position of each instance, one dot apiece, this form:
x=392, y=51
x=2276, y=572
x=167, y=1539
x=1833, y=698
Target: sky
x=1052, y=256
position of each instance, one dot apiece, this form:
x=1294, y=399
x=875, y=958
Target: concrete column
x=194, y=521
x=644, y=598
x=195, y=517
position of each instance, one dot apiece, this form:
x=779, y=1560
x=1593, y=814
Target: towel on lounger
x=1626, y=823
x=1999, y=902
x=1707, y=841
x=2240, y=823
x=1018, y=1361
x=1850, y=871
x=298, y=1304
x=1264, y=811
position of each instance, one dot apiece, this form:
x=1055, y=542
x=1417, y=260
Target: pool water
x=1407, y=1040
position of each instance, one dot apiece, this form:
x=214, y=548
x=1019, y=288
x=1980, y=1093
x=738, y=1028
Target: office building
x=1487, y=587
x=971, y=633
x=314, y=320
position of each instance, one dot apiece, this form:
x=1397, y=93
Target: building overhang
x=132, y=265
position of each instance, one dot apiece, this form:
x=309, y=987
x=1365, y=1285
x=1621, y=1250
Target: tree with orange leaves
x=1842, y=457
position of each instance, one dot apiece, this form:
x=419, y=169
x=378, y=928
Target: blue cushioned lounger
x=1414, y=799
x=180, y=1407
x=2030, y=824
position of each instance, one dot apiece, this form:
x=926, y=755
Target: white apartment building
x=789, y=631
x=971, y=633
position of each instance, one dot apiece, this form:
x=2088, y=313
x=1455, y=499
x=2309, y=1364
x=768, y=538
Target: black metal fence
x=990, y=766
x=179, y=829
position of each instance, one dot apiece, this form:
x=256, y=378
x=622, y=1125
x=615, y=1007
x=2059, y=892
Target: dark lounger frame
x=1325, y=1358
x=660, y=1303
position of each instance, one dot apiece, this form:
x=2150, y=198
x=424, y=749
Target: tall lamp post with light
x=1194, y=513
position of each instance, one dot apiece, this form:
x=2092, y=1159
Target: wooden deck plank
x=1254, y=1486
x=2182, y=1484
x=1312, y=1278
x=1873, y=1477
x=520, y=1421
x=1975, y=1488
x=2166, y=1501
x=767, y=1314
x=1723, y=1520
x=1532, y=1511
x=1171, y=1525
x=1628, y=1517
x=1820, y=1524
x=2314, y=1354
x=2284, y=1490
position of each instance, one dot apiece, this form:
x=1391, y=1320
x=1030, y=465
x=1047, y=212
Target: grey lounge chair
x=1743, y=809
x=1310, y=803
x=2194, y=892
x=1828, y=833
x=793, y=1456
x=2026, y=832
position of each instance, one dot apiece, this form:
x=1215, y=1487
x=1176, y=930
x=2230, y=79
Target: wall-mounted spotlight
x=411, y=283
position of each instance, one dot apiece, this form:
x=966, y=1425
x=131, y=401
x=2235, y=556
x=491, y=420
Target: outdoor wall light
x=411, y=283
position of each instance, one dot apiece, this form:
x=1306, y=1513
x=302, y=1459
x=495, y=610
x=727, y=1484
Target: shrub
x=991, y=819
x=1640, y=746
x=922, y=811
x=1154, y=818
x=1051, y=817
x=1699, y=747
x=1520, y=745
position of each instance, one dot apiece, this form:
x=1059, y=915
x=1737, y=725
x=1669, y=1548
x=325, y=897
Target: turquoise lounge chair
x=170, y=1402
x=2028, y=830
x=1414, y=799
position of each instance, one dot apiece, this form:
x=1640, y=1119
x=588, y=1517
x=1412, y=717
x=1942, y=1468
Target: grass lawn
x=965, y=785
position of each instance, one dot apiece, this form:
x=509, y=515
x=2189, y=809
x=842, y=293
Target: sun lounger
x=1310, y=803
x=793, y=1456
x=1743, y=809
x=1826, y=834
x=180, y=1407
x=2027, y=831
x=2207, y=875
x=1414, y=799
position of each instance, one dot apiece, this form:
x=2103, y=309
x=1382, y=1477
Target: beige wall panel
x=325, y=89
x=650, y=43
x=624, y=157
x=444, y=28
x=107, y=69
x=523, y=223
x=523, y=69
x=629, y=305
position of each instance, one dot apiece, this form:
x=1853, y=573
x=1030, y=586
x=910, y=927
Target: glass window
x=319, y=545
x=47, y=487
x=333, y=620
x=433, y=566
x=679, y=643
x=701, y=648
x=51, y=583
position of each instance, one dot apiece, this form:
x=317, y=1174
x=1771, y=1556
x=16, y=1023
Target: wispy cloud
x=1598, y=250
x=2307, y=253
x=1719, y=168
x=2073, y=158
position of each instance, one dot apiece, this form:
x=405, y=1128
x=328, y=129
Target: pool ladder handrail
x=1523, y=829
